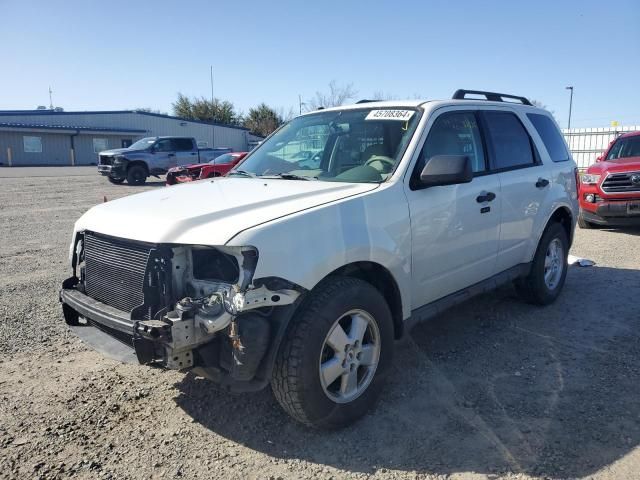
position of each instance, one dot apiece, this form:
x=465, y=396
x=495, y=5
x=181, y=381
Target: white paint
x=433, y=241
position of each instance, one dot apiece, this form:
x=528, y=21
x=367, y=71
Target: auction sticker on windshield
x=402, y=115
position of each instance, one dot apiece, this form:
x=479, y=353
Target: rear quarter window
x=550, y=136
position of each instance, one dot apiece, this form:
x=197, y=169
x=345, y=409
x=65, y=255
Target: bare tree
x=380, y=95
x=336, y=96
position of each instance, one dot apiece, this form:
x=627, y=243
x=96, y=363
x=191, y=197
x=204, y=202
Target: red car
x=217, y=167
x=610, y=188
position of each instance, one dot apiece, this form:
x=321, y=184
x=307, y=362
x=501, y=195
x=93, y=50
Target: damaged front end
x=179, y=306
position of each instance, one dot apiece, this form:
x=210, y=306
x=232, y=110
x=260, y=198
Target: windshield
x=625, y=147
x=226, y=158
x=360, y=146
x=143, y=143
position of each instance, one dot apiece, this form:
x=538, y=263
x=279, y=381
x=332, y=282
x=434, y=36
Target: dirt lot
x=493, y=388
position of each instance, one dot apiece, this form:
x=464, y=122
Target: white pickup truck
x=342, y=229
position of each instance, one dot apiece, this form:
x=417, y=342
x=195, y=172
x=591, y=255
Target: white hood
x=210, y=212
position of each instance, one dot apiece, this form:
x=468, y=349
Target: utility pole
x=300, y=103
x=50, y=98
x=570, y=106
x=213, y=116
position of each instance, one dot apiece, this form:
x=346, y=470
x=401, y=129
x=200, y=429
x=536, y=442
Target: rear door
x=454, y=228
x=185, y=150
x=524, y=185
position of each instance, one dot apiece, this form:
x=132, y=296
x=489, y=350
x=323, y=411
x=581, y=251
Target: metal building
x=48, y=137
x=587, y=144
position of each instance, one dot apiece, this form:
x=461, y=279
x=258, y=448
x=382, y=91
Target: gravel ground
x=491, y=389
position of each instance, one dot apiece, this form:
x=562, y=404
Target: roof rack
x=490, y=96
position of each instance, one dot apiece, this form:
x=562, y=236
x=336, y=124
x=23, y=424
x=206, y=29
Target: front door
x=454, y=228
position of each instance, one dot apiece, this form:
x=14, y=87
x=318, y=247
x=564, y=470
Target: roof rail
x=491, y=96
x=364, y=100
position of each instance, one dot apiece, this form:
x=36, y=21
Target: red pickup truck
x=218, y=167
x=610, y=188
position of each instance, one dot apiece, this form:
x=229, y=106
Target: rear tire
x=116, y=181
x=136, y=175
x=548, y=269
x=332, y=363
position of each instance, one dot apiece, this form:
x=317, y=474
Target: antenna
x=50, y=99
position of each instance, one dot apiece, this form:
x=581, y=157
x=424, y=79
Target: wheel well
x=563, y=216
x=138, y=162
x=382, y=280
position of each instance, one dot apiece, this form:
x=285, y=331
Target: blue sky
x=123, y=54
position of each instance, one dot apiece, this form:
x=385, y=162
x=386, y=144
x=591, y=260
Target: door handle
x=171, y=155
x=485, y=197
x=542, y=182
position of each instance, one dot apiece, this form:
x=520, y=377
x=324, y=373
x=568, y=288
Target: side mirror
x=446, y=170
x=599, y=159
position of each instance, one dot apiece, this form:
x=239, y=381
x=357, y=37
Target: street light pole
x=213, y=116
x=570, y=106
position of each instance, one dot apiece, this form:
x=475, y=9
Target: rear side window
x=550, y=137
x=509, y=139
x=182, y=144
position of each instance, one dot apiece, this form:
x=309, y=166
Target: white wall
x=586, y=144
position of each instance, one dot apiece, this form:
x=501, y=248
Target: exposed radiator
x=114, y=271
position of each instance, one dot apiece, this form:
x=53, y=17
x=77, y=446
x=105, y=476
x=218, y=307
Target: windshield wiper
x=242, y=173
x=287, y=176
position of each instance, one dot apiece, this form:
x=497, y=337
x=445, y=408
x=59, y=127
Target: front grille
x=104, y=160
x=621, y=183
x=114, y=271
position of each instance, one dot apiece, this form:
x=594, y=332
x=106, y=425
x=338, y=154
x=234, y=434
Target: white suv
x=327, y=242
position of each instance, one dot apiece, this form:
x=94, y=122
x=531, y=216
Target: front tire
x=332, y=363
x=136, y=175
x=548, y=269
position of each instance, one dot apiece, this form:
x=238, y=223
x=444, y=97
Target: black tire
x=136, y=175
x=582, y=223
x=296, y=380
x=533, y=288
x=116, y=181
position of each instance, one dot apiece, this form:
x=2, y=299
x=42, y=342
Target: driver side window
x=164, y=145
x=454, y=133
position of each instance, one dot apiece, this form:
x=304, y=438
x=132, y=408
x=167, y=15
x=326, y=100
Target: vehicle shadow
x=492, y=386
x=628, y=230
